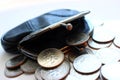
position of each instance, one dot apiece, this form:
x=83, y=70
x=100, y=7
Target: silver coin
x=111, y=71
x=87, y=63
x=101, y=34
x=57, y=73
x=29, y=66
x=74, y=75
x=94, y=45
x=37, y=74
x=16, y=61
x=73, y=54
x=11, y=73
x=108, y=55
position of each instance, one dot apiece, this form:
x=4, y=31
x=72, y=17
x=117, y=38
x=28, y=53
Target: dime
x=37, y=74
x=77, y=39
x=111, y=71
x=57, y=73
x=108, y=55
x=13, y=72
x=15, y=61
x=87, y=63
x=29, y=66
x=102, y=35
x=94, y=45
x=50, y=58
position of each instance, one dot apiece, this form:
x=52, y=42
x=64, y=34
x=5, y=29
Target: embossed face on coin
x=77, y=39
x=86, y=63
x=50, y=58
x=57, y=73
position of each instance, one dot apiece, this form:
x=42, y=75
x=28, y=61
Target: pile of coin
x=18, y=65
x=86, y=57
x=101, y=38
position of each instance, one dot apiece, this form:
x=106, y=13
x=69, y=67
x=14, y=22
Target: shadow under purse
x=12, y=38
x=53, y=36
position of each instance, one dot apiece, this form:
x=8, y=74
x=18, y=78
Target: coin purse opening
x=34, y=43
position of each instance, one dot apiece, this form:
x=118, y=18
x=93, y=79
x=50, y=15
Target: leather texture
x=32, y=44
x=12, y=38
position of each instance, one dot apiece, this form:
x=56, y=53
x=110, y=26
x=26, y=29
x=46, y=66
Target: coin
x=116, y=41
x=77, y=76
x=111, y=71
x=87, y=63
x=101, y=34
x=29, y=66
x=75, y=53
x=108, y=55
x=50, y=58
x=94, y=45
x=10, y=73
x=57, y=73
x=37, y=74
x=15, y=61
x=77, y=39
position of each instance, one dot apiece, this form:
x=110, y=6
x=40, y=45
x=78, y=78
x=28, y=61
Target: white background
x=14, y=12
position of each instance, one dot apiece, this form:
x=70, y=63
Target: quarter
x=50, y=58
x=57, y=73
x=87, y=63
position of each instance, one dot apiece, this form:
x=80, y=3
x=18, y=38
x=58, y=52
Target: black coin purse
x=45, y=31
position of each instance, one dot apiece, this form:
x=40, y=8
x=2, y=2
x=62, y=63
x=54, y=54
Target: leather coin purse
x=46, y=31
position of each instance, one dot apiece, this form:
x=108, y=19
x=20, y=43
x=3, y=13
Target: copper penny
x=38, y=74
x=111, y=71
x=108, y=55
x=50, y=58
x=77, y=39
x=57, y=73
x=87, y=63
x=94, y=45
x=15, y=61
x=29, y=66
x=10, y=73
